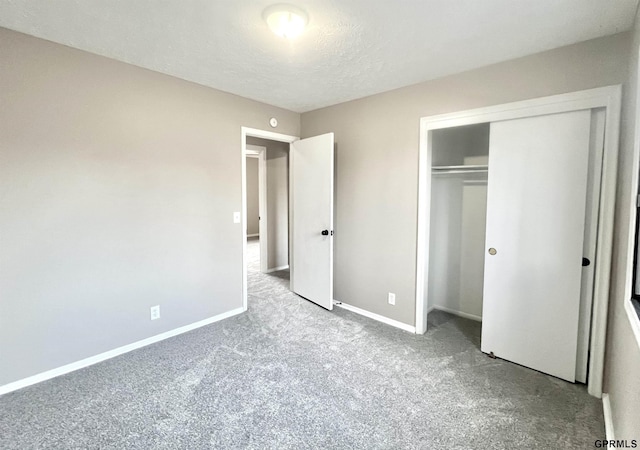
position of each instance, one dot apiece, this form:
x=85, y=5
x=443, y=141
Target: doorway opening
x=256, y=189
x=296, y=220
x=266, y=206
x=267, y=192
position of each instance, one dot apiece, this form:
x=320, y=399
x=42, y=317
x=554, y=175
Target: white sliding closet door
x=535, y=222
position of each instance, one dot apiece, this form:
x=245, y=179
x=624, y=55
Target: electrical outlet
x=236, y=217
x=155, y=312
x=391, y=298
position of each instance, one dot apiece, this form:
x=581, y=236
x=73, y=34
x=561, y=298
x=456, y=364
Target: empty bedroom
x=324, y=224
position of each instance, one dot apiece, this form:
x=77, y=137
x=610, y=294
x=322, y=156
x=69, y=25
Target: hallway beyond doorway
x=260, y=284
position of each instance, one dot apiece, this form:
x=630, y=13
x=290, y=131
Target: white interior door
x=311, y=262
x=535, y=223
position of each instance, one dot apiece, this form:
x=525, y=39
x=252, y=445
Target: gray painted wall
x=377, y=159
x=253, y=204
x=622, y=376
x=118, y=188
x=277, y=200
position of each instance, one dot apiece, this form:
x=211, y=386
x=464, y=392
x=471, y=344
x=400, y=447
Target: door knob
x=325, y=232
x=585, y=262
x=492, y=251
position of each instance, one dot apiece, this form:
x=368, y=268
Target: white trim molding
x=259, y=152
x=113, y=353
x=609, y=98
x=275, y=269
x=464, y=315
x=628, y=264
x=608, y=418
x=633, y=320
x=374, y=316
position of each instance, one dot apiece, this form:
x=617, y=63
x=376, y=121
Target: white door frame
x=260, y=153
x=608, y=97
x=254, y=132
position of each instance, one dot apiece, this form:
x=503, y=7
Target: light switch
x=236, y=217
x=391, y=298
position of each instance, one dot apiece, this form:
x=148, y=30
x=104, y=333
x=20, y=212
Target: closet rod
x=466, y=167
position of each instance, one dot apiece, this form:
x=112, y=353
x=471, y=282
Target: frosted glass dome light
x=286, y=21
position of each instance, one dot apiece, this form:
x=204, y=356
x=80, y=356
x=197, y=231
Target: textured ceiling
x=351, y=49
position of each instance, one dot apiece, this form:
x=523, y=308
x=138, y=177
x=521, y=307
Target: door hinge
x=638, y=201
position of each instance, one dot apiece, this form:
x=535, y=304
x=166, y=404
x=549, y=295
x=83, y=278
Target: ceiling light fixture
x=286, y=21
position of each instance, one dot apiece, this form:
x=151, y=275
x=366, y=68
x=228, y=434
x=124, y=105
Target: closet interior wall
x=458, y=214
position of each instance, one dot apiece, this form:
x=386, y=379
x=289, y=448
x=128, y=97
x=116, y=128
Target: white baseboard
x=457, y=313
x=112, y=353
x=608, y=418
x=275, y=269
x=253, y=235
x=374, y=316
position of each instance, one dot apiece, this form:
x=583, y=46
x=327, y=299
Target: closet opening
x=515, y=227
x=460, y=243
x=458, y=213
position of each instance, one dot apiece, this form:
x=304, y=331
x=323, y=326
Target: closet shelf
x=436, y=170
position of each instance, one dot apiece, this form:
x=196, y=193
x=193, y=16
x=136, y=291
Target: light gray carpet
x=289, y=374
